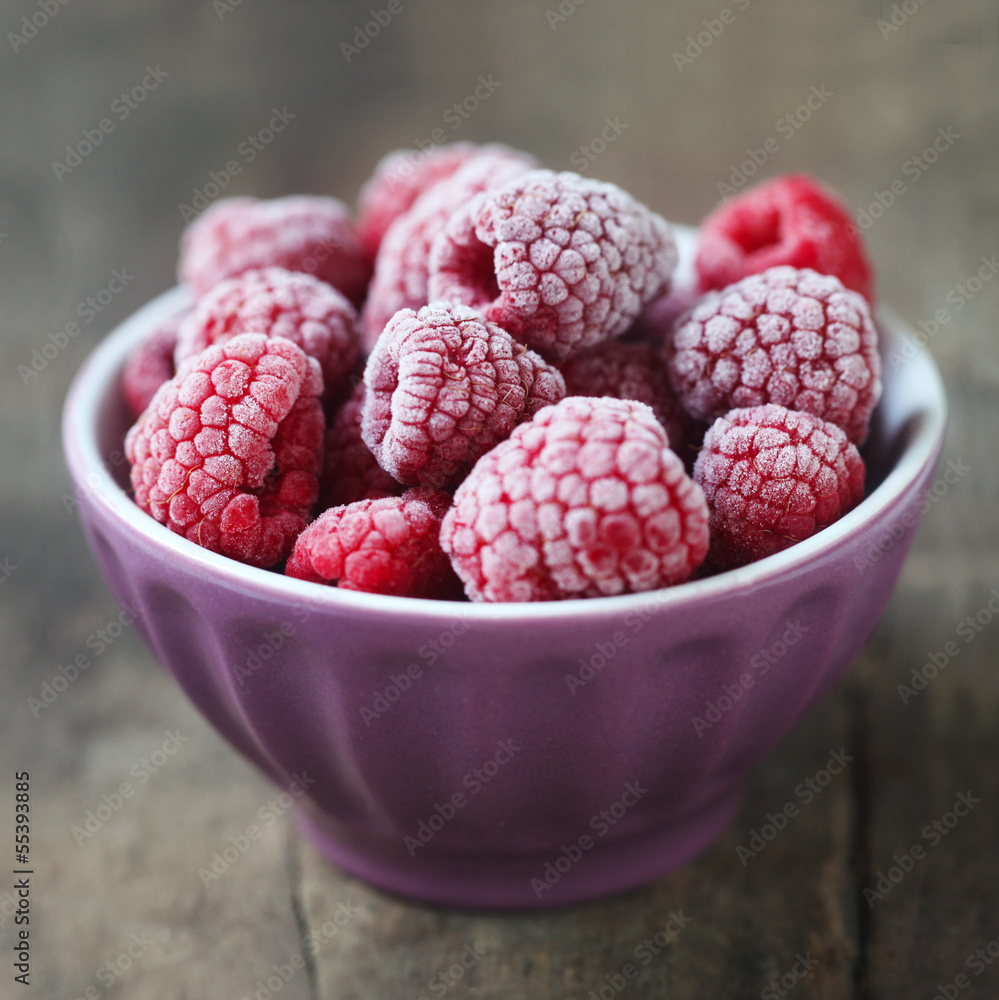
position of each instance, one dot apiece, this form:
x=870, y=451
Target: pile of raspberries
x=489, y=385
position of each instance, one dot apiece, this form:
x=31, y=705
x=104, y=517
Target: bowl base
x=522, y=881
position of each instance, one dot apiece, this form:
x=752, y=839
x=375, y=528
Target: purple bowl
x=518, y=755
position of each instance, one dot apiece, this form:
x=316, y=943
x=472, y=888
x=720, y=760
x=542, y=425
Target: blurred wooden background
x=562, y=69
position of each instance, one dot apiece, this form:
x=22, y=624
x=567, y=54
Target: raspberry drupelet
x=308, y=233
x=399, y=179
x=150, y=365
x=795, y=338
x=229, y=450
x=632, y=371
x=385, y=546
x=350, y=471
x=443, y=387
x=559, y=261
x=402, y=268
x=791, y=220
x=585, y=500
x=279, y=303
x=772, y=477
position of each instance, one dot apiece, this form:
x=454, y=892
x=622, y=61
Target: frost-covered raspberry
x=585, y=500
x=350, y=471
x=399, y=179
x=229, y=451
x=559, y=261
x=150, y=365
x=630, y=371
x=785, y=336
x=308, y=233
x=403, y=265
x=772, y=477
x=444, y=386
x=385, y=546
x=790, y=220
x=278, y=303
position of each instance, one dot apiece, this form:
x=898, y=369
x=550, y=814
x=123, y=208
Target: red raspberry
x=790, y=220
x=385, y=546
x=630, y=371
x=403, y=264
x=399, y=179
x=444, y=386
x=228, y=452
x=585, y=500
x=559, y=261
x=791, y=337
x=307, y=233
x=350, y=471
x=150, y=365
x=773, y=477
x=278, y=303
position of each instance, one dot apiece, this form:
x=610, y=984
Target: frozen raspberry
x=583, y=501
x=308, y=233
x=444, y=386
x=350, y=471
x=150, y=365
x=785, y=336
x=228, y=452
x=403, y=264
x=399, y=179
x=279, y=303
x=790, y=220
x=630, y=371
x=771, y=477
x=385, y=546
x=559, y=261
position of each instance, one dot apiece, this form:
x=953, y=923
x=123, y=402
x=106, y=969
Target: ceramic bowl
x=517, y=755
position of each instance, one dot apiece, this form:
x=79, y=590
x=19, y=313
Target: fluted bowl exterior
x=507, y=755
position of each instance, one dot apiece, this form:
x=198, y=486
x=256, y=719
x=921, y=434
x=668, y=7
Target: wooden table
x=121, y=912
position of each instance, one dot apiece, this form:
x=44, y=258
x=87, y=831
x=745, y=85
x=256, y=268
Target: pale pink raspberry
x=403, y=263
x=229, y=450
x=278, y=303
x=399, y=179
x=795, y=338
x=585, y=500
x=559, y=261
x=308, y=233
x=443, y=387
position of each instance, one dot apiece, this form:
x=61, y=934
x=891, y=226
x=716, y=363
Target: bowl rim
x=91, y=475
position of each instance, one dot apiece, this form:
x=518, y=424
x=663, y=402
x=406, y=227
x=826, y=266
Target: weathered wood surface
x=135, y=881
